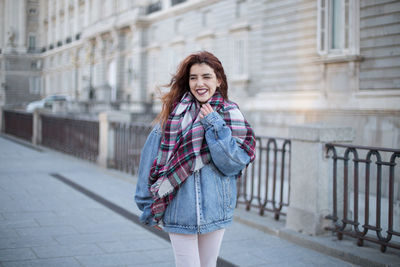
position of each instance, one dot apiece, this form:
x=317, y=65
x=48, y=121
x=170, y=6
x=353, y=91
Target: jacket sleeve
x=143, y=196
x=225, y=152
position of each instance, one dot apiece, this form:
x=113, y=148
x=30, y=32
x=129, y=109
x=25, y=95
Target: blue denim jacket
x=206, y=200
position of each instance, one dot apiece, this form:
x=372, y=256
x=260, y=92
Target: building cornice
x=179, y=9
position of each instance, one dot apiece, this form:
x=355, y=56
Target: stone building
x=288, y=62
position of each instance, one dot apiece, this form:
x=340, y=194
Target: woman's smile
x=203, y=82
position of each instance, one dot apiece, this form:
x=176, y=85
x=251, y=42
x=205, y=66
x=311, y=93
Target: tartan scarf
x=183, y=148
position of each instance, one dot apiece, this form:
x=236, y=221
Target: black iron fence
x=264, y=184
x=365, y=196
x=129, y=140
x=73, y=136
x=19, y=124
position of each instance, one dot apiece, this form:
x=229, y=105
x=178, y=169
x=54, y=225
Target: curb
x=346, y=250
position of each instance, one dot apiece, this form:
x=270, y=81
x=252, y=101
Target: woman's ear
x=218, y=83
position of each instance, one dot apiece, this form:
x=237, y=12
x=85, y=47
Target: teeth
x=201, y=91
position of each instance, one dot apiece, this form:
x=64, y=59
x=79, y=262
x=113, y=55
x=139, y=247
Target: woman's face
x=203, y=82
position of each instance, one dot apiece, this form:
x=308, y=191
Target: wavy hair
x=179, y=83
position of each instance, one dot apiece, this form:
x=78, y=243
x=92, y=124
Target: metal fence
x=73, y=136
x=19, y=124
x=129, y=140
x=365, y=196
x=264, y=184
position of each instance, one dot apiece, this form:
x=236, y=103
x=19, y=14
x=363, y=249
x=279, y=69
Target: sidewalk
x=84, y=220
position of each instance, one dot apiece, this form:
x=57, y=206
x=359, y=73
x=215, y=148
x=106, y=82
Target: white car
x=46, y=102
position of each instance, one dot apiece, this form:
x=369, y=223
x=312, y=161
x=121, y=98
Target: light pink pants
x=196, y=250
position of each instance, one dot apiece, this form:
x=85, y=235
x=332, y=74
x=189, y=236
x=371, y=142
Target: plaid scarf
x=183, y=148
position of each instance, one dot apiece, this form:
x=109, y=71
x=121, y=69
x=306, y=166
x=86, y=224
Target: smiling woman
x=191, y=160
x=203, y=82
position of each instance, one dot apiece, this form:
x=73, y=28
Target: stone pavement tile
x=140, y=258
x=71, y=220
x=8, y=233
x=20, y=215
x=13, y=254
x=56, y=251
x=298, y=255
x=59, y=262
x=242, y=259
x=96, y=238
x=134, y=245
x=120, y=227
x=46, y=231
x=7, y=224
x=20, y=204
x=26, y=242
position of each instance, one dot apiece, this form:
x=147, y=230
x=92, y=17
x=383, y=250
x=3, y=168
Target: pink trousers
x=196, y=250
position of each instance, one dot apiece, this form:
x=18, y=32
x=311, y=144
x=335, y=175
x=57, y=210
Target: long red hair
x=179, y=83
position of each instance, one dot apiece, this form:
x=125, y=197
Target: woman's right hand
x=157, y=227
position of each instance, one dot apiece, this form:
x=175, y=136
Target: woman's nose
x=199, y=82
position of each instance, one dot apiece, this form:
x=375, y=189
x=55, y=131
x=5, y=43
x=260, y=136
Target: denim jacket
x=206, y=200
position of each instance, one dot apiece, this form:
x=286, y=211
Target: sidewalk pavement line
x=123, y=212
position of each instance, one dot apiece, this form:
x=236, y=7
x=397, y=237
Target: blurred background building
x=288, y=62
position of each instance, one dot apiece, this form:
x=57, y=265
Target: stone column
x=50, y=23
x=58, y=30
x=310, y=175
x=22, y=47
x=139, y=61
x=1, y=120
x=106, y=135
x=15, y=26
x=76, y=18
x=37, y=128
x=67, y=29
x=87, y=13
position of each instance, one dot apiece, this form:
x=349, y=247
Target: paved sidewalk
x=47, y=222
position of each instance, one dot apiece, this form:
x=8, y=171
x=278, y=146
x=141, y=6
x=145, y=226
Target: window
x=130, y=71
x=31, y=42
x=153, y=7
x=34, y=85
x=178, y=26
x=239, y=56
x=153, y=33
x=175, y=2
x=338, y=27
x=205, y=18
x=240, y=9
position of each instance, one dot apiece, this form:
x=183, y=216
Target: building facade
x=288, y=62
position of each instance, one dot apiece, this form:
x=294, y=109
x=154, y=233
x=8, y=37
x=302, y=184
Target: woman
x=191, y=159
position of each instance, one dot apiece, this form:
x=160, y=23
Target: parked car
x=46, y=102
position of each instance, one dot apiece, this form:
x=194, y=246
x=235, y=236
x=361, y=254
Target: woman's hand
x=205, y=110
x=158, y=227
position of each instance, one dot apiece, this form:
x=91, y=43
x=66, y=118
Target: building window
x=240, y=9
x=31, y=42
x=153, y=7
x=205, y=17
x=34, y=85
x=239, y=56
x=130, y=71
x=338, y=27
x=153, y=33
x=175, y=2
x=178, y=26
